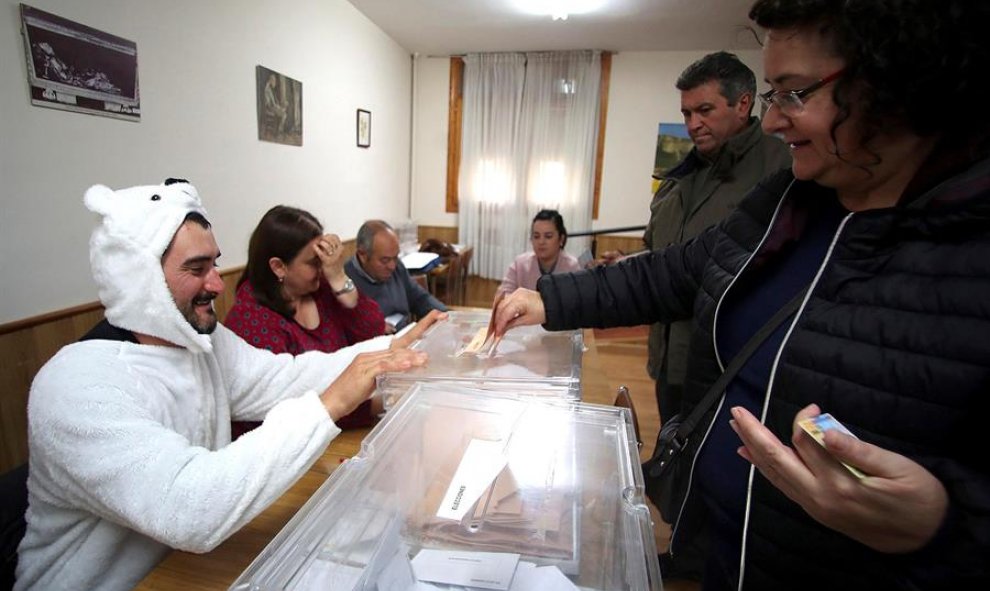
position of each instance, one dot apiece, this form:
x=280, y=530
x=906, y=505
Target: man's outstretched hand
x=416, y=332
x=357, y=382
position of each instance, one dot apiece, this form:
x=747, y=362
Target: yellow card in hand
x=817, y=426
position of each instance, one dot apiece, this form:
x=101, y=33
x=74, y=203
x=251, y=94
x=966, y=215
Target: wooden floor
x=480, y=292
x=622, y=353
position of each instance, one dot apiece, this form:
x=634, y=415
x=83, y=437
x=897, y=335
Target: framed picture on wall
x=73, y=67
x=280, y=115
x=363, y=128
x=673, y=144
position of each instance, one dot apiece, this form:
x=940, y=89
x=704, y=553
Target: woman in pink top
x=548, y=237
x=294, y=296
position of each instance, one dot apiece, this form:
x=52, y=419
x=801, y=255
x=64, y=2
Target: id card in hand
x=818, y=426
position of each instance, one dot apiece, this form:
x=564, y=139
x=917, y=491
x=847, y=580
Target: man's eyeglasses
x=790, y=102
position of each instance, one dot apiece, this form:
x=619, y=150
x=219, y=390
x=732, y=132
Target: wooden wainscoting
x=444, y=233
x=605, y=242
x=612, y=242
x=26, y=345
x=225, y=301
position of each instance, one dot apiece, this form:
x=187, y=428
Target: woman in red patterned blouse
x=294, y=297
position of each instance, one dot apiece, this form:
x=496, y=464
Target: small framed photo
x=363, y=128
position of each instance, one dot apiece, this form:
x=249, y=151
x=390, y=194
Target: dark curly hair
x=912, y=63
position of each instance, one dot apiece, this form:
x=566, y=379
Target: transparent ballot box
x=459, y=488
x=528, y=358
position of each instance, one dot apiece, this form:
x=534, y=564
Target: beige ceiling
x=445, y=27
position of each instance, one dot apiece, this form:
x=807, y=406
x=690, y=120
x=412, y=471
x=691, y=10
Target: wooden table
x=217, y=570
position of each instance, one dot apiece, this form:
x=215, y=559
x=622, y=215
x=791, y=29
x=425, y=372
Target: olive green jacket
x=692, y=196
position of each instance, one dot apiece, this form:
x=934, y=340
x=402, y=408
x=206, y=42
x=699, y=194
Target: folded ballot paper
x=485, y=570
x=445, y=570
x=420, y=262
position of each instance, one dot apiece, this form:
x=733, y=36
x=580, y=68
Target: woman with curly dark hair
x=881, y=235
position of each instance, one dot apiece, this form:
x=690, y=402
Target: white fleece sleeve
x=99, y=447
x=258, y=379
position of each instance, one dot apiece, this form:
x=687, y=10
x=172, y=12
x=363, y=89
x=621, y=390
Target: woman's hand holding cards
x=897, y=507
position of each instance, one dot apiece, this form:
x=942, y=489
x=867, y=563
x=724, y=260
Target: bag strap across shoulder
x=716, y=390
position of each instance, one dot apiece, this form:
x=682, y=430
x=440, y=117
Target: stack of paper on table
x=420, y=262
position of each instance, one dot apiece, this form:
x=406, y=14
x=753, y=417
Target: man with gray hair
x=730, y=155
x=379, y=274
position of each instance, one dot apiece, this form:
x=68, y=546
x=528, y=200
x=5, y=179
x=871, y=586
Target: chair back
x=448, y=286
x=465, y=263
x=13, y=505
x=624, y=400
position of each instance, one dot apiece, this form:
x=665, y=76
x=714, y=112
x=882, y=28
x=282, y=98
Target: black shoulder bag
x=668, y=471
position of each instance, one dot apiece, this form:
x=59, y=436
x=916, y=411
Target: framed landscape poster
x=77, y=68
x=280, y=115
x=673, y=144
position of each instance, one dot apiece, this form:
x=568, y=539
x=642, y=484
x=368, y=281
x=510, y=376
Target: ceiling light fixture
x=558, y=10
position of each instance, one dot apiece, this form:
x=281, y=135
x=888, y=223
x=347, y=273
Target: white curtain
x=530, y=126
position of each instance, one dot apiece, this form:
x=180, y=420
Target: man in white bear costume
x=129, y=429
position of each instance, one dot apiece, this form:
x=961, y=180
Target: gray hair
x=367, y=232
x=734, y=77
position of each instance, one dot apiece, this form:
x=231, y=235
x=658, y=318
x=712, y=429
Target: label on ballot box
x=481, y=463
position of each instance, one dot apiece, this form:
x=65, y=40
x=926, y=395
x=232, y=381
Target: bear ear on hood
x=98, y=199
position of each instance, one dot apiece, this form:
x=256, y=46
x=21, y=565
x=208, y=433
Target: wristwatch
x=348, y=287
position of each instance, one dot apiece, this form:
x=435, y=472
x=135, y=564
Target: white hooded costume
x=130, y=451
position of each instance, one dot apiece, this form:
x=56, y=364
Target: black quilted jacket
x=893, y=339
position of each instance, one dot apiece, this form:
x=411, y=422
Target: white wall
x=641, y=95
x=429, y=191
x=197, y=74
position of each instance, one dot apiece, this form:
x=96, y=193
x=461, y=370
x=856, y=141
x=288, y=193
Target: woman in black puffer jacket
x=886, y=216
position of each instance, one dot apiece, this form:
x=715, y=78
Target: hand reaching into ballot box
x=523, y=307
x=357, y=382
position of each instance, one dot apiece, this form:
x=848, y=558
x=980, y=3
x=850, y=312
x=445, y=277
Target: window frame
x=456, y=114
